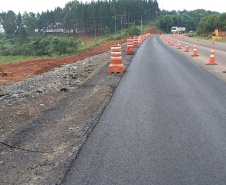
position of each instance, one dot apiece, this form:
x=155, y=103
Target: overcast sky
x=44, y=5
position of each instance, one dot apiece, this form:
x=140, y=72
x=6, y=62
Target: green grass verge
x=15, y=59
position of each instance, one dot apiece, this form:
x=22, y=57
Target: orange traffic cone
x=212, y=58
x=116, y=64
x=195, y=53
x=213, y=42
x=130, y=49
x=179, y=46
x=186, y=48
x=177, y=43
x=172, y=43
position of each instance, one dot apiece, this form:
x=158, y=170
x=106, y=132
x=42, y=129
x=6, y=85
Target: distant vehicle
x=173, y=29
x=178, y=30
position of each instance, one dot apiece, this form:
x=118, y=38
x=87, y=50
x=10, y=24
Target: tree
x=9, y=24
x=21, y=34
x=211, y=22
x=19, y=20
x=31, y=23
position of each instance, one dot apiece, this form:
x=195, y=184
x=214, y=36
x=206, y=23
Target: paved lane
x=218, y=46
x=165, y=125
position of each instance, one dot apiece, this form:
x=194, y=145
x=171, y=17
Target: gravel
x=46, y=119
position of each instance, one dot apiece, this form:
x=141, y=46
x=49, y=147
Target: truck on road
x=178, y=30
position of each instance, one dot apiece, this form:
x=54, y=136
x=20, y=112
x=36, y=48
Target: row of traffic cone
x=212, y=57
x=195, y=52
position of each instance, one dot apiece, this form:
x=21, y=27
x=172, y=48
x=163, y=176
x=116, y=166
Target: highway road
x=204, y=48
x=165, y=125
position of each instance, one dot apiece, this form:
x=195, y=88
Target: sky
x=37, y=6
x=213, y=5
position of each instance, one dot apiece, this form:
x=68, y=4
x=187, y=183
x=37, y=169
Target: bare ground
x=45, y=119
x=44, y=131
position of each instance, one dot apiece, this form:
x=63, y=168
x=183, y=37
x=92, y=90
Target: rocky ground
x=46, y=119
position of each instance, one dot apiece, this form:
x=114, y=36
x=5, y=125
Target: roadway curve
x=165, y=124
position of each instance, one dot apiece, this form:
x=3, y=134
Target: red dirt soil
x=27, y=69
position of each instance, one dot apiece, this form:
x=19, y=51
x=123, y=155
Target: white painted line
x=194, y=63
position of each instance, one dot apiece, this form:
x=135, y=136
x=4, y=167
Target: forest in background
x=56, y=32
x=90, y=19
x=51, y=32
x=188, y=19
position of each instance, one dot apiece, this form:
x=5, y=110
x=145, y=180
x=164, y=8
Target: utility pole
x=141, y=23
x=115, y=24
x=121, y=22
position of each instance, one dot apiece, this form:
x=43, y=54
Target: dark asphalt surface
x=165, y=125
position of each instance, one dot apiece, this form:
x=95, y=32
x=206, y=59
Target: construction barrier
x=130, y=49
x=116, y=65
x=135, y=41
x=140, y=39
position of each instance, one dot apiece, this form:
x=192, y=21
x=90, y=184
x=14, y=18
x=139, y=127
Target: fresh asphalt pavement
x=165, y=125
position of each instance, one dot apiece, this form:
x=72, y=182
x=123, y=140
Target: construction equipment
x=215, y=34
x=4, y=73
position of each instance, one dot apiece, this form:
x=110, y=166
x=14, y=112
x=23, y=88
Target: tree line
x=188, y=19
x=26, y=34
x=95, y=18
x=211, y=22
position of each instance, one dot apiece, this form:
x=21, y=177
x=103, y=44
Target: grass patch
x=15, y=59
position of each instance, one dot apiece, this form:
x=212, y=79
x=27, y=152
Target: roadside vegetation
x=211, y=22
x=188, y=19
x=199, y=23
x=64, y=31
x=81, y=26
x=13, y=50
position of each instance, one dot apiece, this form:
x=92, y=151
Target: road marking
x=193, y=63
x=216, y=71
x=199, y=46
